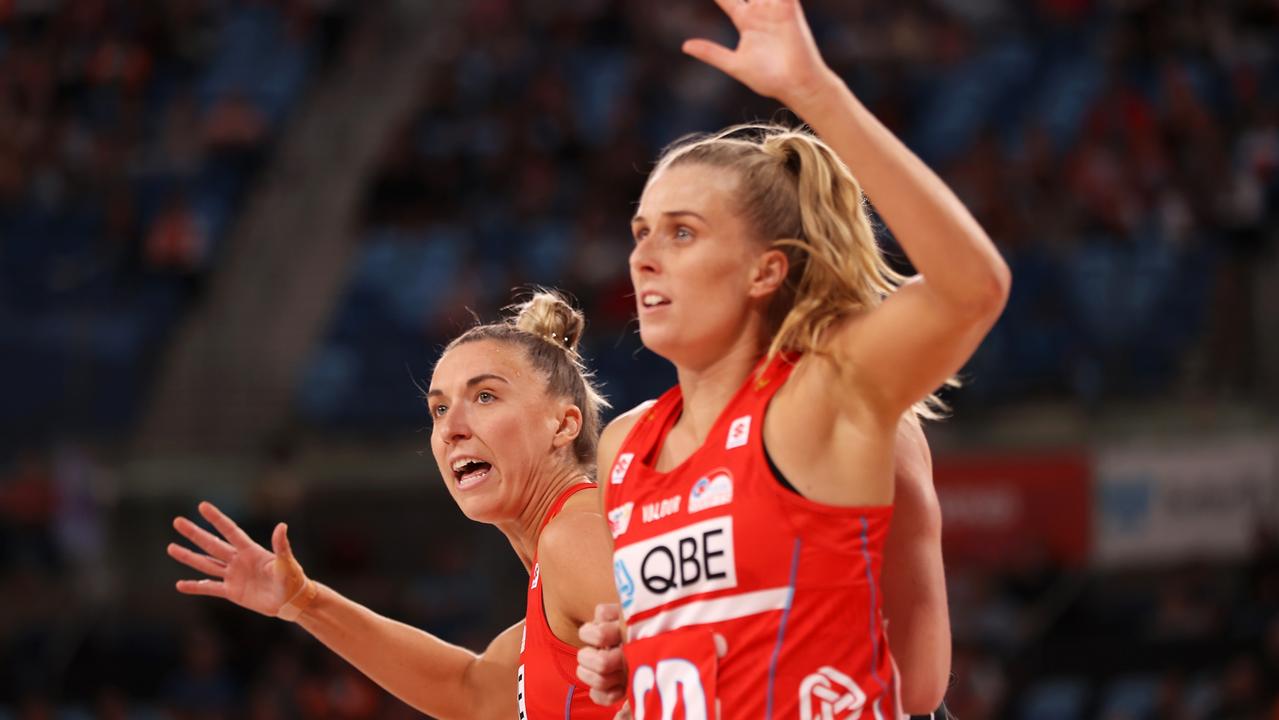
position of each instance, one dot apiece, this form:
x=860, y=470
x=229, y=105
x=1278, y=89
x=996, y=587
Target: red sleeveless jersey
x=548, y=686
x=738, y=593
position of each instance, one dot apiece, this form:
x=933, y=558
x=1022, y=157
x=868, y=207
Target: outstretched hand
x=244, y=572
x=776, y=55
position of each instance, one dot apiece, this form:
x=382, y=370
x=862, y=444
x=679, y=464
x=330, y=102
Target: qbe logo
x=830, y=695
x=620, y=467
x=694, y=559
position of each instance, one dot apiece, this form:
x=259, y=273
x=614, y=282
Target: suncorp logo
x=694, y=559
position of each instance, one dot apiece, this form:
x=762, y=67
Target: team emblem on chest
x=711, y=490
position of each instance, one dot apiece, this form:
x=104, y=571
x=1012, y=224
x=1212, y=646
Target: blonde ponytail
x=801, y=198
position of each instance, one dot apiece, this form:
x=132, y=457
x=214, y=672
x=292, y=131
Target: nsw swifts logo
x=619, y=519
x=738, y=433
x=830, y=695
x=712, y=490
x=620, y=467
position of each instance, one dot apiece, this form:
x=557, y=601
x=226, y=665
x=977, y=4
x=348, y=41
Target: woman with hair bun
x=750, y=504
x=515, y=425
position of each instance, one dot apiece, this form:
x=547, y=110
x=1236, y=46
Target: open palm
x=246, y=573
x=775, y=55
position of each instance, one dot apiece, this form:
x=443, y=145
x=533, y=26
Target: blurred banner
x=1210, y=499
x=1001, y=509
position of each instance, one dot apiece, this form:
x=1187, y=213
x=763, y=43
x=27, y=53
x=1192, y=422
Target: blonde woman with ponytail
x=750, y=505
x=516, y=421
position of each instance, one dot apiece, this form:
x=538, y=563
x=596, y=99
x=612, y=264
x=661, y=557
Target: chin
x=663, y=344
x=481, y=509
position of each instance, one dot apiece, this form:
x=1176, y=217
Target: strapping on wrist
x=301, y=600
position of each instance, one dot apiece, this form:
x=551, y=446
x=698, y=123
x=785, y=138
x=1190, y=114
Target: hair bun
x=549, y=315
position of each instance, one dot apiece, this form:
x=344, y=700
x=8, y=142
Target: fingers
x=624, y=713
x=711, y=53
x=212, y=588
x=608, y=612
x=604, y=672
x=196, y=561
x=601, y=634
x=204, y=539
x=609, y=698
x=607, y=662
x=280, y=542
x=225, y=525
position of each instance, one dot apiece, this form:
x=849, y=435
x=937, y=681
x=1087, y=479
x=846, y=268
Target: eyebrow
x=481, y=378
x=671, y=214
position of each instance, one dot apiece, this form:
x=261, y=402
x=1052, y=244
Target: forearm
x=433, y=676
x=939, y=235
x=919, y=634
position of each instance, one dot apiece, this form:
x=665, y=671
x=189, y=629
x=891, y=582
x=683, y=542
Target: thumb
x=711, y=53
x=280, y=543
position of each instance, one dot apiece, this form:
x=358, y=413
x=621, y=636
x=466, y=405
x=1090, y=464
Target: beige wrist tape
x=300, y=601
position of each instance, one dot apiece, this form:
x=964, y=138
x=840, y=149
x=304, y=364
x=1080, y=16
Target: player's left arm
x=898, y=352
x=914, y=580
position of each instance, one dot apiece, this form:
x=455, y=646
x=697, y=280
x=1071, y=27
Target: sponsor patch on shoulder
x=619, y=519
x=738, y=433
x=620, y=467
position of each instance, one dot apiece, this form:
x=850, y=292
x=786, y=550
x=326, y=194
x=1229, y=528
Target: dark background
x=234, y=235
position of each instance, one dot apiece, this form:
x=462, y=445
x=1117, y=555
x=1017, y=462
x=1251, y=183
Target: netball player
x=749, y=505
x=516, y=421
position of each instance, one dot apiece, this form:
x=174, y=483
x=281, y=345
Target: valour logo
x=711, y=490
x=738, y=433
x=663, y=508
x=619, y=519
x=620, y=467
x=831, y=695
x=537, y=575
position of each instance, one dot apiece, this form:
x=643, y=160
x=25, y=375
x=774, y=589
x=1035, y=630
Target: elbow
x=996, y=287
x=923, y=695
x=988, y=293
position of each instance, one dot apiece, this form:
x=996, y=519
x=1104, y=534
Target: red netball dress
x=548, y=685
x=738, y=593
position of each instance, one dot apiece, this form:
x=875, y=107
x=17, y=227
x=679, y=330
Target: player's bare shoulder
x=615, y=434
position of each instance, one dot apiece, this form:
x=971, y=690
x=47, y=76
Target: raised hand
x=245, y=573
x=775, y=55
x=601, y=664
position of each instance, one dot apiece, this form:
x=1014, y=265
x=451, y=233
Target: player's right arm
x=435, y=677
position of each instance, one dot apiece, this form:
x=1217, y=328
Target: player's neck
x=546, y=484
x=707, y=390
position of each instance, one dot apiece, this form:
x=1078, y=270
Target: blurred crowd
x=86, y=633
x=1124, y=156
x=129, y=133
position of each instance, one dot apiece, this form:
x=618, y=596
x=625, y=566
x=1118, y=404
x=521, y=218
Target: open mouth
x=651, y=300
x=468, y=472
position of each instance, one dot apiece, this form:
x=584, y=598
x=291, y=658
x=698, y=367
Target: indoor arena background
x=234, y=233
